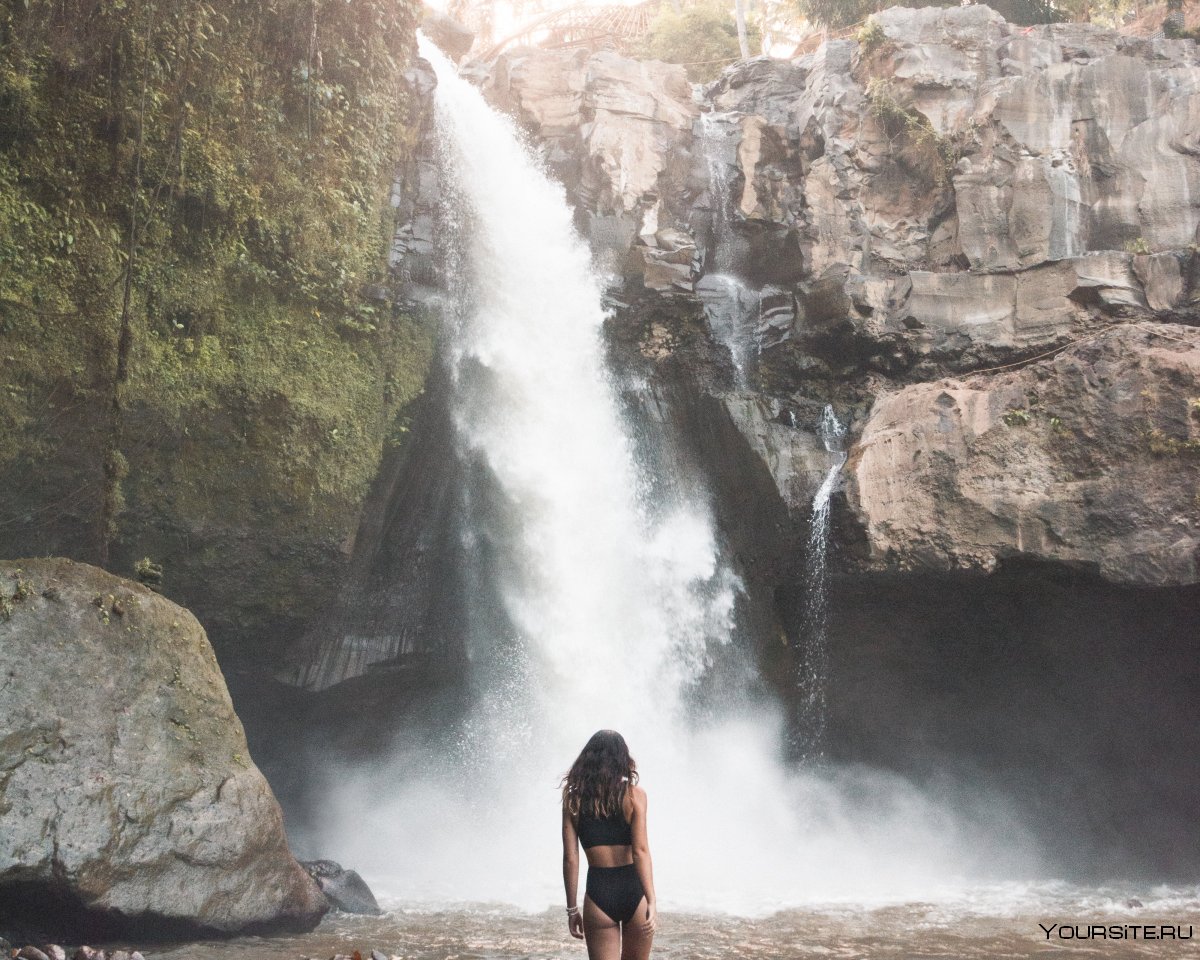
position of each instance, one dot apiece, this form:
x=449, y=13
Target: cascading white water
x=607, y=602
x=731, y=307
x=591, y=575
x=815, y=667
x=716, y=131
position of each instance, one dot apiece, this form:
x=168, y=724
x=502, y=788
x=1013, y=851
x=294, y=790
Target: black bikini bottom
x=615, y=890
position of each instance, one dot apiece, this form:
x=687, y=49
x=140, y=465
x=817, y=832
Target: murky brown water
x=997, y=923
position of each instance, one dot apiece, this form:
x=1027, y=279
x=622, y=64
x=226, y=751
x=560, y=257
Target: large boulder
x=128, y=797
x=1089, y=459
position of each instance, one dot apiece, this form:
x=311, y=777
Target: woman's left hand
x=650, y=923
x=575, y=924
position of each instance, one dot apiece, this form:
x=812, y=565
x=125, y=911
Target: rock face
x=616, y=130
x=251, y=426
x=130, y=804
x=1090, y=459
x=945, y=194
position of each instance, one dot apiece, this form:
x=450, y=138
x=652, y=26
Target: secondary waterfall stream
x=598, y=604
x=815, y=668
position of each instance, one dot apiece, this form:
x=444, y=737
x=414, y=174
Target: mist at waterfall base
x=601, y=594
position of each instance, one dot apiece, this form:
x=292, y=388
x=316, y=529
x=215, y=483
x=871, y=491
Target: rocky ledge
x=1088, y=459
x=130, y=804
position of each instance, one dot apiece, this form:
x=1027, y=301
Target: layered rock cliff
x=945, y=195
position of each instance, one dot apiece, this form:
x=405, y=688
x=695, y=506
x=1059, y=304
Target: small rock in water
x=1134, y=902
x=54, y=951
x=344, y=889
x=378, y=955
x=119, y=955
x=31, y=953
x=89, y=953
x=136, y=955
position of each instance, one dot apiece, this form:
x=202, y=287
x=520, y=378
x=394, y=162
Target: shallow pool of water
x=989, y=922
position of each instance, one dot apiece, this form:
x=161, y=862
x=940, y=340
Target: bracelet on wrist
x=571, y=911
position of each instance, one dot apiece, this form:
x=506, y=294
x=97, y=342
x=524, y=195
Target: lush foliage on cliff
x=703, y=36
x=194, y=222
x=844, y=13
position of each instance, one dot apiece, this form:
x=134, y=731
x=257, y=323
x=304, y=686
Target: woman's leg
x=601, y=933
x=635, y=945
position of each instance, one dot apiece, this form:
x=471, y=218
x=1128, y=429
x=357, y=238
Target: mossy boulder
x=128, y=797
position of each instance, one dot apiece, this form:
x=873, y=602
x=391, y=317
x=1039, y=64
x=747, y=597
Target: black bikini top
x=611, y=831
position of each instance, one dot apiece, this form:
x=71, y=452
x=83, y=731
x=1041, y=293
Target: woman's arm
x=571, y=874
x=641, y=857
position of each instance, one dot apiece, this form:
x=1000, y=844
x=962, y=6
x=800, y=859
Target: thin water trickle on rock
x=732, y=309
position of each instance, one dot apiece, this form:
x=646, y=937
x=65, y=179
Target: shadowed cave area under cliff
x=1072, y=697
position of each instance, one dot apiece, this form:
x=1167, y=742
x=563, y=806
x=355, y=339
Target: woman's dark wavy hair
x=599, y=777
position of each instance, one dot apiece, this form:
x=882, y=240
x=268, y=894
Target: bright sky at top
x=509, y=16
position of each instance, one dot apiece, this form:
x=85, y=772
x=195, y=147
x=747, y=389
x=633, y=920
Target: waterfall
x=814, y=669
x=731, y=307
x=716, y=132
x=732, y=310
x=589, y=572
x=600, y=598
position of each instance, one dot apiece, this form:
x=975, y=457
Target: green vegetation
x=838, y=14
x=900, y=121
x=703, y=37
x=1138, y=246
x=1105, y=13
x=1158, y=441
x=1173, y=31
x=1163, y=445
x=22, y=590
x=870, y=36
x=194, y=221
x=1032, y=413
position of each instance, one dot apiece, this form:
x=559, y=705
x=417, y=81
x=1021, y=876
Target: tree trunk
x=743, y=43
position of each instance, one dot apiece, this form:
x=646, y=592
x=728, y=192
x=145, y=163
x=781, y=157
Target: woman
x=604, y=809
